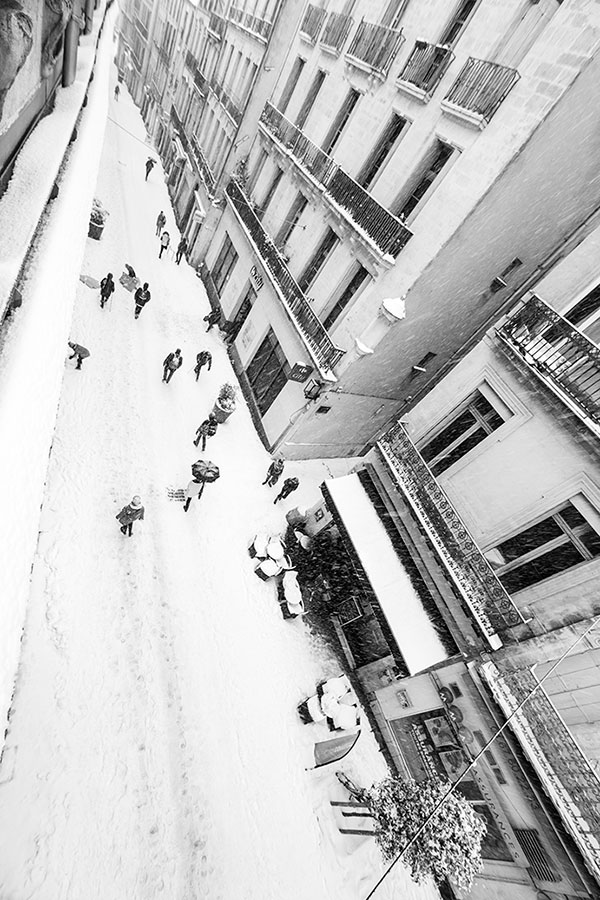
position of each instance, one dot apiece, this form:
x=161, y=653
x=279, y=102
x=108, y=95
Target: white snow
x=32, y=354
x=416, y=636
x=154, y=747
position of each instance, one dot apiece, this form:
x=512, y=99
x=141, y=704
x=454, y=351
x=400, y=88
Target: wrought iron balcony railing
x=375, y=46
x=426, y=65
x=233, y=107
x=323, y=350
x=217, y=25
x=481, y=87
x=312, y=23
x=192, y=148
x=558, y=352
x=199, y=80
x=143, y=29
x=258, y=26
x=566, y=774
x=491, y=607
x=363, y=212
x=336, y=31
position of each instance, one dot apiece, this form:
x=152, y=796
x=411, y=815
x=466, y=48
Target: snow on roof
x=409, y=622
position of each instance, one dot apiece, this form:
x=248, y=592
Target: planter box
x=95, y=231
x=221, y=414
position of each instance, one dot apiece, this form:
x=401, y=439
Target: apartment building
x=415, y=165
x=474, y=528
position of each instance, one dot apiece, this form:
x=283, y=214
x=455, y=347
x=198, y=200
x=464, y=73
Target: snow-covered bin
x=225, y=403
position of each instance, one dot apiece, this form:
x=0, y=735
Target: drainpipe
x=69, y=68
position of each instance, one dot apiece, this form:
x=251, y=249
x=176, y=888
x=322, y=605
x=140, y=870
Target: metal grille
x=482, y=86
x=536, y=855
x=312, y=22
x=426, y=65
x=375, y=45
x=336, y=31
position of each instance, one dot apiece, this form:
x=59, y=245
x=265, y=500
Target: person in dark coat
x=274, y=472
x=149, y=166
x=117, y=91
x=165, y=240
x=289, y=485
x=204, y=358
x=161, y=221
x=141, y=297
x=194, y=489
x=206, y=430
x=107, y=286
x=78, y=351
x=170, y=365
x=212, y=318
x=181, y=249
x=134, y=510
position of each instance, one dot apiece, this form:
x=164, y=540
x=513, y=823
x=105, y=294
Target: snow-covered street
x=154, y=747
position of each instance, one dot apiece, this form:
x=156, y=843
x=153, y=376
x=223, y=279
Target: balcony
x=479, y=90
x=199, y=80
x=491, y=607
x=374, y=47
x=565, y=773
x=233, y=106
x=259, y=27
x=567, y=361
x=371, y=220
x=217, y=26
x=192, y=148
x=312, y=23
x=143, y=29
x=321, y=347
x=336, y=31
x=424, y=69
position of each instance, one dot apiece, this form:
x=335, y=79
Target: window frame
x=355, y=270
x=480, y=422
x=318, y=259
x=399, y=206
x=276, y=383
x=341, y=120
x=224, y=264
x=581, y=503
x=379, y=157
x=451, y=21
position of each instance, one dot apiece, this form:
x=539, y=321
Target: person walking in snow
x=141, y=297
x=170, y=365
x=204, y=358
x=181, y=248
x=134, y=510
x=274, y=472
x=206, y=430
x=117, y=91
x=80, y=352
x=165, y=240
x=149, y=166
x=194, y=489
x=161, y=221
x=212, y=318
x=289, y=485
x=107, y=286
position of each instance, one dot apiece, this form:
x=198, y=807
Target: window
x=310, y=98
x=470, y=425
x=291, y=220
x=243, y=312
x=357, y=281
x=223, y=267
x=585, y=308
x=290, y=84
x=268, y=372
x=340, y=121
x=319, y=256
x=458, y=22
x=441, y=154
x=262, y=158
x=384, y=147
x=561, y=540
x=269, y=195
x=393, y=13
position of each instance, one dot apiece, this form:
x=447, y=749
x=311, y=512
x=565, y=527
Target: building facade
x=375, y=225
x=474, y=527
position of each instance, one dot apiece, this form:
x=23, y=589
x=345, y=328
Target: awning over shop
x=400, y=603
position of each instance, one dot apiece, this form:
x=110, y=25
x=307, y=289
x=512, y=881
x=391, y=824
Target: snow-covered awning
x=398, y=599
x=179, y=151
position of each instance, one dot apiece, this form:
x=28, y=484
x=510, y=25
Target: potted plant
x=225, y=403
x=98, y=218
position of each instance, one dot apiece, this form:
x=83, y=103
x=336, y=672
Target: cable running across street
x=476, y=758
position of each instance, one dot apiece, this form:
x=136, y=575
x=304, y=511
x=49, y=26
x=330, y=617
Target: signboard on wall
x=247, y=335
x=300, y=372
x=256, y=278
